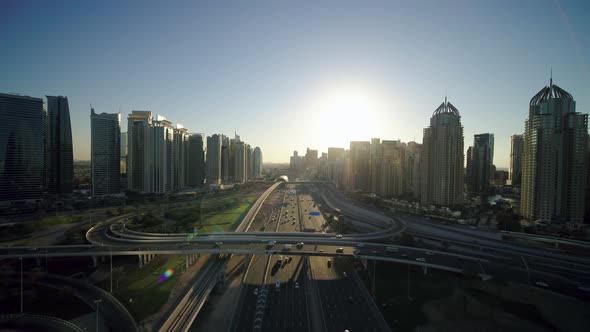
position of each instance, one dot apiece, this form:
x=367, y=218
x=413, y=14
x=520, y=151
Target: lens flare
x=167, y=274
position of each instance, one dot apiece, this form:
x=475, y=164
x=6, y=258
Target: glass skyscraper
x=105, y=153
x=21, y=149
x=59, y=153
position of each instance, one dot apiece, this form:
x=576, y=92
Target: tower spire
x=551, y=79
x=445, y=96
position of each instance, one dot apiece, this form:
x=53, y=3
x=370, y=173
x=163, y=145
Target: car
x=299, y=245
x=255, y=291
x=420, y=259
x=356, y=252
x=321, y=250
x=429, y=253
x=542, y=284
x=297, y=285
x=396, y=249
x=350, y=299
x=374, y=252
x=344, y=274
x=218, y=243
x=340, y=250
x=339, y=236
x=329, y=262
x=404, y=255
x=360, y=245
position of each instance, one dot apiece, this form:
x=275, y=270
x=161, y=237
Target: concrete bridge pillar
x=94, y=261
x=140, y=260
x=187, y=261
x=425, y=269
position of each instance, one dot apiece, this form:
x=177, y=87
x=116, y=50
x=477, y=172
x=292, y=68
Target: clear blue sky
x=267, y=68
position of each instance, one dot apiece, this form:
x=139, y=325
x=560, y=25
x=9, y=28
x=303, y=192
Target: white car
x=255, y=291
x=339, y=236
x=420, y=259
x=429, y=253
x=541, y=283
x=345, y=274
x=297, y=285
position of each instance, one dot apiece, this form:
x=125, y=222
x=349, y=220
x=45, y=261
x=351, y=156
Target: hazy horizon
x=288, y=76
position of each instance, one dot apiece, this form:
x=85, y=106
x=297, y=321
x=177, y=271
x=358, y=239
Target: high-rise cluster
x=231, y=160
x=163, y=157
x=36, y=156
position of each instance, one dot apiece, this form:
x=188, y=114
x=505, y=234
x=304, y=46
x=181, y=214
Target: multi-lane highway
x=292, y=223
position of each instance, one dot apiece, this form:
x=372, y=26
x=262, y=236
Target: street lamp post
x=21, y=285
x=97, y=303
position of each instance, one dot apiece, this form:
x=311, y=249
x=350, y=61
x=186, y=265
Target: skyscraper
x=59, y=153
x=516, y=151
x=123, y=153
x=21, y=149
x=105, y=153
x=227, y=159
x=139, y=151
x=257, y=156
x=390, y=169
x=482, y=159
x=442, y=151
x=554, y=159
x=375, y=159
x=412, y=168
x=196, y=160
x=214, y=159
x=359, y=159
x=239, y=162
x=180, y=155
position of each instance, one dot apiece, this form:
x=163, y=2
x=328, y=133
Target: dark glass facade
x=59, y=153
x=21, y=149
x=196, y=160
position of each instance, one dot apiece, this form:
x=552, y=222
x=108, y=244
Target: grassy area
x=143, y=285
x=218, y=213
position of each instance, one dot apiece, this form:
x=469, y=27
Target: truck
x=287, y=247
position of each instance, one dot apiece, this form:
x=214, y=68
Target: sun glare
x=346, y=114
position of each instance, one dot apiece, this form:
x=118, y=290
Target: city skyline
x=306, y=73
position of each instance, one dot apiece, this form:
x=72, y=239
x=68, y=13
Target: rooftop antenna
x=551, y=78
x=445, y=96
x=91, y=108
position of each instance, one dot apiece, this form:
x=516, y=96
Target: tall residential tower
x=554, y=159
x=442, y=163
x=105, y=153
x=59, y=152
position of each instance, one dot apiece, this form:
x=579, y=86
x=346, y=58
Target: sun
x=346, y=114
